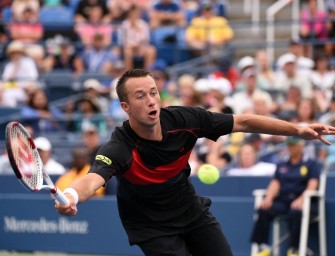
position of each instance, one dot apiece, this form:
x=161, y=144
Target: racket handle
x=60, y=197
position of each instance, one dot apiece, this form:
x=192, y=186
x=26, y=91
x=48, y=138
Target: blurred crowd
x=298, y=86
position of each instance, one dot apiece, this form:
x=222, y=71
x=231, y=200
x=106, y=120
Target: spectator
x=306, y=114
x=304, y=64
x=167, y=88
x=266, y=77
x=188, y=95
x=265, y=152
x=43, y=116
x=247, y=164
x=284, y=195
x=91, y=139
x=244, y=63
x=4, y=4
x=135, y=33
x=80, y=167
x=226, y=70
x=86, y=109
x=208, y=33
x=217, y=153
x=331, y=28
x=288, y=108
x=313, y=28
x=19, y=67
x=93, y=88
x=167, y=13
x=328, y=116
x=51, y=166
x=83, y=10
x=242, y=100
x=290, y=75
x=219, y=7
x=98, y=58
x=306, y=111
x=19, y=76
x=119, y=9
x=30, y=31
x=219, y=95
x=65, y=58
x=115, y=110
x=323, y=80
x=92, y=26
x=18, y=7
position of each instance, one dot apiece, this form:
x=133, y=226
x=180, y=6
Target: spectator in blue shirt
x=284, y=195
x=98, y=58
x=167, y=13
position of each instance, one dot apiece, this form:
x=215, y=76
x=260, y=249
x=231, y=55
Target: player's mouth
x=153, y=114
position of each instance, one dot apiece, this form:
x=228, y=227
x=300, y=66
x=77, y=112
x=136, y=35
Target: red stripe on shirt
x=140, y=174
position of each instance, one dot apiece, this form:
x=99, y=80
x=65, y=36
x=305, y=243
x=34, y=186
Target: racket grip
x=60, y=197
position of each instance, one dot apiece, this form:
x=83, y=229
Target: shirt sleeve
x=110, y=160
x=204, y=123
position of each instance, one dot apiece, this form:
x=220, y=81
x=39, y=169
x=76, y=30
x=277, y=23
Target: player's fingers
x=323, y=140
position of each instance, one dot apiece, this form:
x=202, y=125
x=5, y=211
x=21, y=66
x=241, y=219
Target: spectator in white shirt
x=248, y=164
x=289, y=75
x=51, y=166
x=20, y=67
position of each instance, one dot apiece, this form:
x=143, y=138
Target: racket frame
x=56, y=193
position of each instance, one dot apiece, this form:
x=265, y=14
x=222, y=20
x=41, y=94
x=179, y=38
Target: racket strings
x=27, y=161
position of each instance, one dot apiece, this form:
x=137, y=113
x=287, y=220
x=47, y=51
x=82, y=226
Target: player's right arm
x=85, y=188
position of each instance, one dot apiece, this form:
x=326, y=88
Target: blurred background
x=59, y=64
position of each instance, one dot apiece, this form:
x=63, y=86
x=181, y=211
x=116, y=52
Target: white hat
x=91, y=84
x=42, y=143
x=221, y=85
x=88, y=127
x=16, y=46
x=202, y=85
x=245, y=62
x=286, y=58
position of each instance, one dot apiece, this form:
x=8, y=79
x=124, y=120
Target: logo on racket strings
x=24, y=156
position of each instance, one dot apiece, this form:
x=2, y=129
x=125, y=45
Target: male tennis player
x=158, y=206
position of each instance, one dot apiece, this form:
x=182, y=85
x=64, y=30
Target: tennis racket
x=26, y=162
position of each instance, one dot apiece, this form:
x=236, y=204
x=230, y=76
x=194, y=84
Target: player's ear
x=125, y=107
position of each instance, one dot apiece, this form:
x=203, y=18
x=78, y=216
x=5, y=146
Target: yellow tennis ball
x=208, y=174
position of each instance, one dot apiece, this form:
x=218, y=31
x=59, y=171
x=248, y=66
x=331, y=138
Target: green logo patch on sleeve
x=104, y=159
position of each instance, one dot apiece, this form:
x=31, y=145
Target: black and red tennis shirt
x=153, y=184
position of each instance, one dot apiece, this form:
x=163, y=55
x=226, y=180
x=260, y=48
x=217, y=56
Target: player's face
x=143, y=106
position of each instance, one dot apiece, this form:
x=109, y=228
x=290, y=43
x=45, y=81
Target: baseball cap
x=221, y=85
x=202, y=85
x=91, y=84
x=248, y=73
x=286, y=58
x=42, y=143
x=245, y=62
x=88, y=127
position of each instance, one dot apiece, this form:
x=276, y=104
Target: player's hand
x=316, y=131
x=68, y=210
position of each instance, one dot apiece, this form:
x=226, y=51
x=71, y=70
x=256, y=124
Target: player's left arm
x=267, y=125
x=85, y=188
